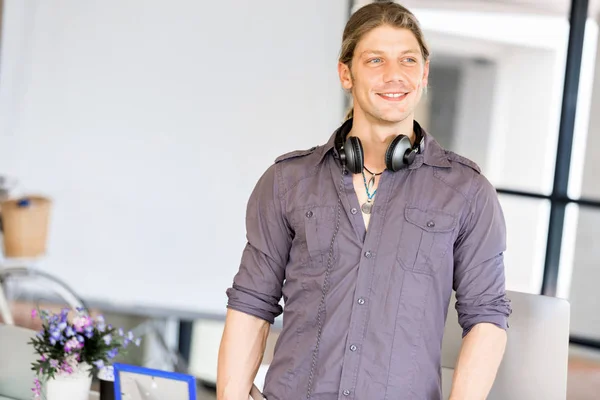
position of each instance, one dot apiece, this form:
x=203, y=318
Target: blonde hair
x=372, y=16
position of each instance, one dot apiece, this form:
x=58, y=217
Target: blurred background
x=147, y=123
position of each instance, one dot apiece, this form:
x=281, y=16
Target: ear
x=345, y=76
x=425, y=81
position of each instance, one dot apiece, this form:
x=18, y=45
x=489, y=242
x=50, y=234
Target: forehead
x=387, y=39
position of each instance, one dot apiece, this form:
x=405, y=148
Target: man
x=366, y=237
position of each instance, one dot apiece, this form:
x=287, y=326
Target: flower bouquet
x=71, y=351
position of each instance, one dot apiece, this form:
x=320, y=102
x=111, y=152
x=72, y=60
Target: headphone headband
x=400, y=153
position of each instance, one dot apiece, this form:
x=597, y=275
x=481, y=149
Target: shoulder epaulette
x=294, y=154
x=463, y=160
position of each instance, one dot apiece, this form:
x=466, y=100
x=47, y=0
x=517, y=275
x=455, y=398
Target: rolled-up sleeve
x=479, y=276
x=257, y=286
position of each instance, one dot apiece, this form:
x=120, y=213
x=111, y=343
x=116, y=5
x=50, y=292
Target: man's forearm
x=240, y=354
x=480, y=356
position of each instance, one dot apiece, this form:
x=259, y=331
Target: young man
x=366, y=237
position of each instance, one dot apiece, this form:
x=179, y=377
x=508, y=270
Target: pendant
x=371, y=183
x=367, y=207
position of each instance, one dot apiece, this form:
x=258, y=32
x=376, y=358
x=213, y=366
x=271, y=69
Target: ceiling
x=545, y=7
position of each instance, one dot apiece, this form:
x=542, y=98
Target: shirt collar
x=430, y=151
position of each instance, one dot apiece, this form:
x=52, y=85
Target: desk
x=94, y=395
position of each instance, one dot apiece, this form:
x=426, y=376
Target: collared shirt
x=435, y=227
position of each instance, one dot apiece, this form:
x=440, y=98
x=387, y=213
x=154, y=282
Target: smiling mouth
x=392, y=96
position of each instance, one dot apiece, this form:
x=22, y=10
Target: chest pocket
x=425, y=240
x=314, y=227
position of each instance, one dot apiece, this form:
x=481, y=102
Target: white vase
x=75, y=386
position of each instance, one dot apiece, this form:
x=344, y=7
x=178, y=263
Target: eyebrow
x=380, y=52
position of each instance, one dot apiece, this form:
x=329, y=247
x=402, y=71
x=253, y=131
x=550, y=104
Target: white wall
x=149, y=122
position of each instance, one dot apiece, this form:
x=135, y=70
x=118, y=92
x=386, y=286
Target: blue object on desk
x=152, y=384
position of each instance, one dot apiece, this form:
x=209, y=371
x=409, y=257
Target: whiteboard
x=149, y=122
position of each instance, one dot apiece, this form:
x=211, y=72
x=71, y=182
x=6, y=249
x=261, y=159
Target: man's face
x=388, y=74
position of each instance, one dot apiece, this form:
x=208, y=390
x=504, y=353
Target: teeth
x=393, y=95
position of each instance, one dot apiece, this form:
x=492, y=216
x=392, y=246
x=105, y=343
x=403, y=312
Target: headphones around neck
x=399, y=154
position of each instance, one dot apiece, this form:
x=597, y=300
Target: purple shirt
x=435, y=227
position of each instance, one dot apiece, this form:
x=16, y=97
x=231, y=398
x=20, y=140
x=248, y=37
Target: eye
x=410, y=60
x=376, y=60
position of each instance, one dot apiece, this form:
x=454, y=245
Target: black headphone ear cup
x=398, y=153
x=354, y=154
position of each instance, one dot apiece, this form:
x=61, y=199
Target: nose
x=394, y=73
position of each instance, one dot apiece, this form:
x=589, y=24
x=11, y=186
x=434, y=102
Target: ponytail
x=349, y=113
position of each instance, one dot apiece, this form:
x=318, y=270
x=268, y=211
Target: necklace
x=372, y=180
x=368, y=206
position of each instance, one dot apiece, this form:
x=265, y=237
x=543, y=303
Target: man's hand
x=480, y=356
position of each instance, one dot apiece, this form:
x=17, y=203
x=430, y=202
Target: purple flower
x=37, y=388
x=107, y=339
x=101, y=323
x=71, y=345
x=67, y=368
x=52, y=341
x=62, y=326
x=99, y=364
x=69, y=332
x=54, y=363
x=81, y=322
x=80, y=339
x=113, y=353
x=138, y=341
x=34, y=313
x=55, y=333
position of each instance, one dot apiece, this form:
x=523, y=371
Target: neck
x=376, y=136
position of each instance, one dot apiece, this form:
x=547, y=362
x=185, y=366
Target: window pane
x=585, y=161
x=580, y=271
x=527, y=229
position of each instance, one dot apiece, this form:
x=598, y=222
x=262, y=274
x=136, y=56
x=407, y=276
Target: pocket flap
x=430, y=220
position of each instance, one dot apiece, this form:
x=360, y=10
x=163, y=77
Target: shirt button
x=354, y=211
x=346, y=393
x=430, y=224
x=309, y=214
x=353, y=347
x=368, y=254
x=361, y=301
